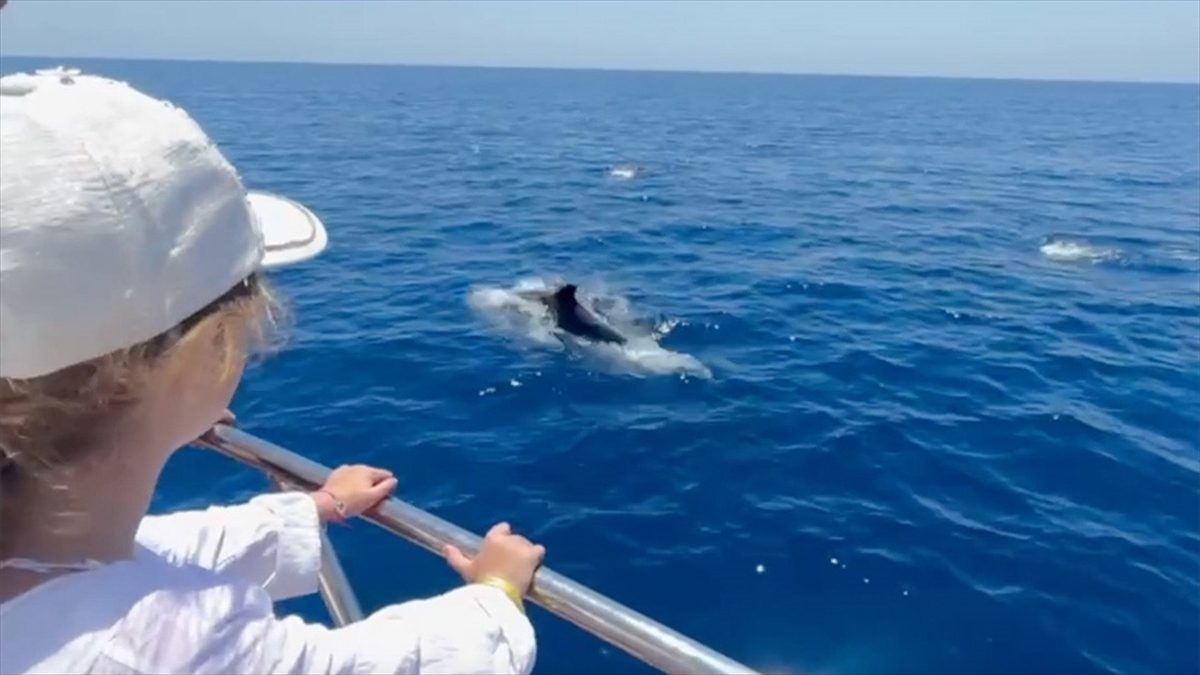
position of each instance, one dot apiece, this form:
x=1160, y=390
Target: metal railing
x=636, y=634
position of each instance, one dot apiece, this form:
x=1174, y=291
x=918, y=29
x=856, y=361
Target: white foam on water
x=624, y=172
x=516, y=314
x=1074, y=251
x=663, y=328
x=527, y=319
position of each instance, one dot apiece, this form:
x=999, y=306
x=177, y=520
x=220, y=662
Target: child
x=131, y=295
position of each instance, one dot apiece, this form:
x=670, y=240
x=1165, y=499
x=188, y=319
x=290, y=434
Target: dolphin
x=572, y=317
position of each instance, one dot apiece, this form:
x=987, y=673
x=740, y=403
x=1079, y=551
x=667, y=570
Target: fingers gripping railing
x=639, y=635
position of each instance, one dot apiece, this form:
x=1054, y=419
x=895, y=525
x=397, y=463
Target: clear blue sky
x=1077, y=39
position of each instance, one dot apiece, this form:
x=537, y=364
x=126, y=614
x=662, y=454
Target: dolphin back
x=574, y=318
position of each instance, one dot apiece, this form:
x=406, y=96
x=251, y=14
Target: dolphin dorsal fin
x=566, y=294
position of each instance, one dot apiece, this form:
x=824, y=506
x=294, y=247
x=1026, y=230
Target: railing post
x=332, y=583
x=335, y=587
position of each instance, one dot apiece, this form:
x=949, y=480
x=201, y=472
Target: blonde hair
x=44, y=420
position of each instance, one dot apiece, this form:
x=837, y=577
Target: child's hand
x=351, y=490
x=504, y=554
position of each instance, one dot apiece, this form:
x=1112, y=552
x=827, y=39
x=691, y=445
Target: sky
x=1073, y=39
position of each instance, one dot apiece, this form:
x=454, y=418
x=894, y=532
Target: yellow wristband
x=509, y=589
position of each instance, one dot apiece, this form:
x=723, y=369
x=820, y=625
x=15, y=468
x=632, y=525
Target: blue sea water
x=953, y=329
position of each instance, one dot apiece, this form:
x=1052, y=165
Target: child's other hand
x=504, y=554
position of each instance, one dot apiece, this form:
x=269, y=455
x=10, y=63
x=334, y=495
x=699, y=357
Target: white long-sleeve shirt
x=197, y=598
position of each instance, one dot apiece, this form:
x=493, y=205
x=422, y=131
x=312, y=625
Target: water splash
x=1064, y=250
x=512, y=312
x=624, y=172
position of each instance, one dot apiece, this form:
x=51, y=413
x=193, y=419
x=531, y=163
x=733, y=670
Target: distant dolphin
x=572, y=317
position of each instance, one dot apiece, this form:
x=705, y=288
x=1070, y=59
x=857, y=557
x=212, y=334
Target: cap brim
x=291, y=233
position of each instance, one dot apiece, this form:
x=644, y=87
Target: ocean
x=917, y=380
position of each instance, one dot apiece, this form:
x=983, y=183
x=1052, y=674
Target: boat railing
x=636, y=634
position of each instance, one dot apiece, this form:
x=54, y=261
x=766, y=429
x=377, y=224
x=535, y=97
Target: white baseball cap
x=119, y=219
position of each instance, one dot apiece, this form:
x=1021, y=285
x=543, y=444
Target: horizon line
x=682, y=71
